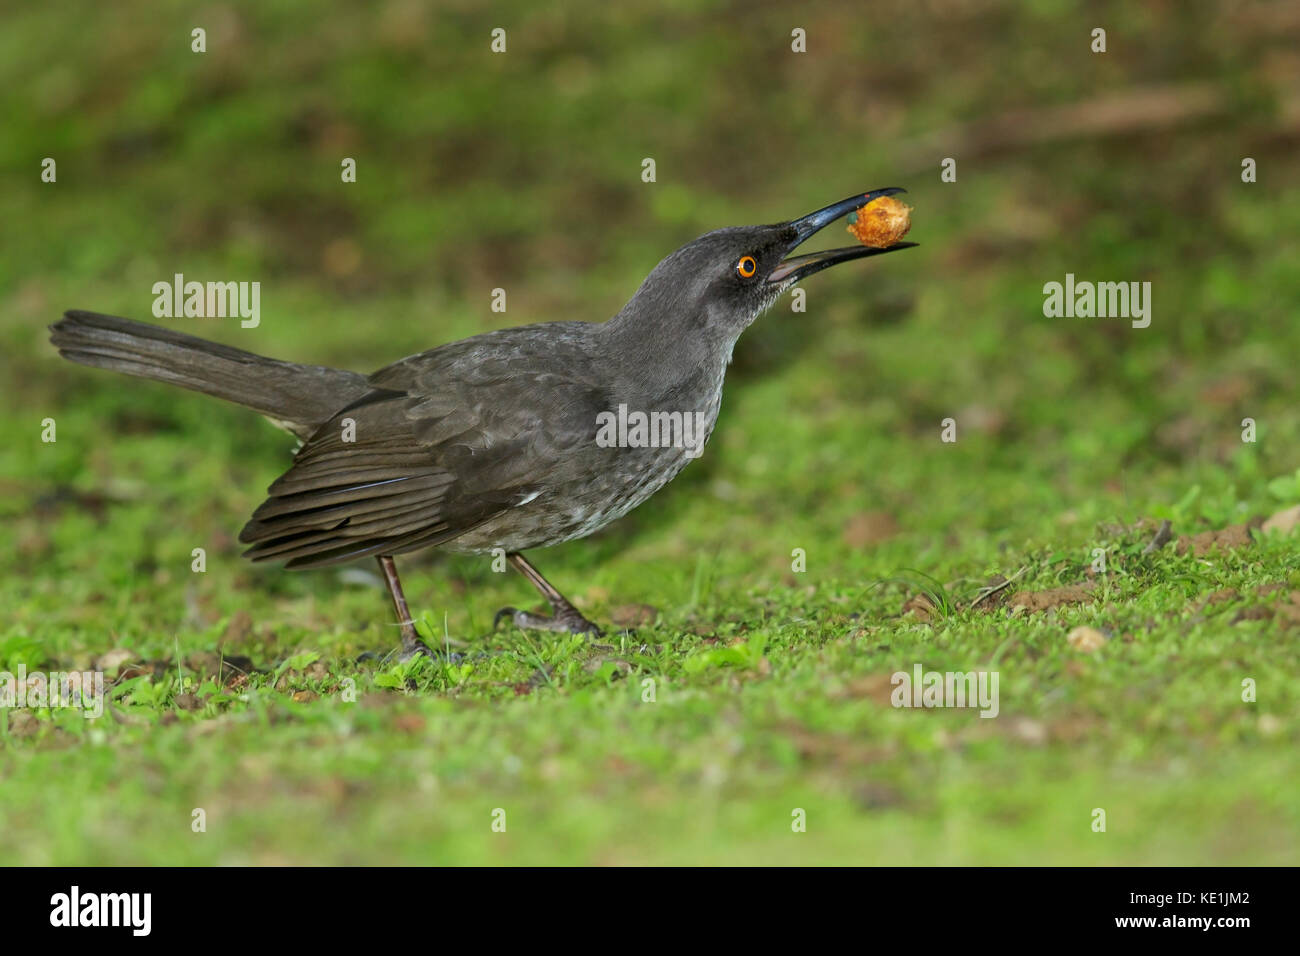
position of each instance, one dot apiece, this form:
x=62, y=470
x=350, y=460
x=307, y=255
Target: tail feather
x=298, y=397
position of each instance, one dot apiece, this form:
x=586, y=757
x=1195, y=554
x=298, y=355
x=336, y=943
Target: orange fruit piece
x=881, y=222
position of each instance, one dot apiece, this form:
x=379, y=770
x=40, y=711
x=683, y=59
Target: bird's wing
x=444, y=442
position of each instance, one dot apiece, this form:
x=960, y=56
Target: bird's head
x=716, y=285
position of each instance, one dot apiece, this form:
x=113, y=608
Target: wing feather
x=433, y=451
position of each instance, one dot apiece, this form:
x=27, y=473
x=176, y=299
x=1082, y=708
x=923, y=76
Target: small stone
x=1086, y=639
x=1283, y=521
x=110, y=661
x=634, y=615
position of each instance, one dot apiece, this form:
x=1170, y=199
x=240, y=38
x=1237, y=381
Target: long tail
x=297, y=397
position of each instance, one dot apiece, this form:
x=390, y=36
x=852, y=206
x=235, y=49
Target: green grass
x=770, y=686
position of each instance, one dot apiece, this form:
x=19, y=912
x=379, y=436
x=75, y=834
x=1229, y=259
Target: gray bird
x=515, y=439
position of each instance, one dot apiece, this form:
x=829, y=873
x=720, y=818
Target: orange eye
x=746, y=266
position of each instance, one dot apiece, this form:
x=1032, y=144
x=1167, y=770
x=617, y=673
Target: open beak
x=793, y=269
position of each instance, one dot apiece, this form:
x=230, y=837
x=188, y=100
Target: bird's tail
x=297, y=397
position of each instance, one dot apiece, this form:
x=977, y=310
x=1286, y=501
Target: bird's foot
x=421, y=649
x=409, y=652
x=413, y=647
x=565, y=618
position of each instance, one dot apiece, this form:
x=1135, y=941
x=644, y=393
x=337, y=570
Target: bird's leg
x=411, y=643
x=564, y=616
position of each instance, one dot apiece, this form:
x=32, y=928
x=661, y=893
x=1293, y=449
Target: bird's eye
x=746, y=267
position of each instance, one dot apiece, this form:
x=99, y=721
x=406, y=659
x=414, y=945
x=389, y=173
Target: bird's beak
x=793, y=269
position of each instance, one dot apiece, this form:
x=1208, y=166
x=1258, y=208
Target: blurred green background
x=522, y=171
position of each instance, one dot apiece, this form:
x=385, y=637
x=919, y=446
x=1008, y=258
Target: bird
x=504, y=442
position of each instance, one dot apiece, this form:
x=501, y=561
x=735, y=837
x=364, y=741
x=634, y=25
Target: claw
x=421, y=649
x=417, y=649
x=567, y=619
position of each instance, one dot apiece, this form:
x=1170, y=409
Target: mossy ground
x=771, y=686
